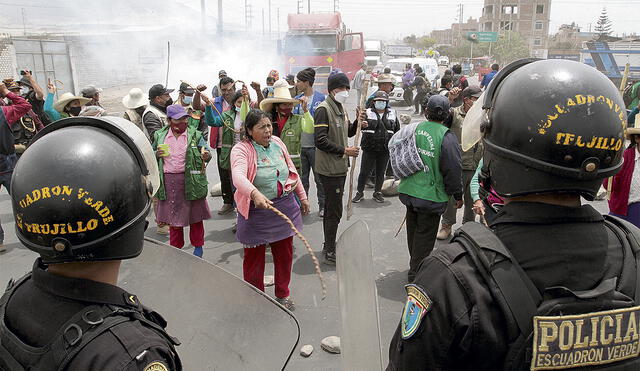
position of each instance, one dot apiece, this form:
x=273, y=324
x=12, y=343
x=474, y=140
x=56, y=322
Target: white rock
x=331, y=344
x=216, y=190
x=390, y=187
x=306, y=350
x=269, y=281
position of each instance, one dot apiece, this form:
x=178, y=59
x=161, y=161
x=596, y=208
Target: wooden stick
x=316, y=263
x=404, y=220
x=361, y=106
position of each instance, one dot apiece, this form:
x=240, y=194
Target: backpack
x=550, y=331
x=627, y=94
x=403, y=152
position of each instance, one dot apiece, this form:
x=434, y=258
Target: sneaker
x=377, y=196
x=197, y=251
x=444, y=232
x=330, y=257
x=163, y=229
x=287, y=303
x=2, y=248
x=225, y=209
x=359, y=196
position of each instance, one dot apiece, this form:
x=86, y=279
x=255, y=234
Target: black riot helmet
x=82, y=190
x=550, y=126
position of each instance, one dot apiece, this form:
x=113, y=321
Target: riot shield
x=223, y=322
x=360, y=340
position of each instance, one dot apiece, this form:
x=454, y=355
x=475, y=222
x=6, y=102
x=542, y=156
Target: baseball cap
x=158, y=90
x=380, y=95
x=471, y=91
x=176, y=112
x=186, y=89
x=89, y=91
x=222, y=73
x=438, y=101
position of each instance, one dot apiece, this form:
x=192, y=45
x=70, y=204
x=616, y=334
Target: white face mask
x=341, y=97
x=187, y=100
x=24, y=90
x=380, y=105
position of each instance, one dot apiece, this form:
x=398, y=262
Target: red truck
x=321, y=41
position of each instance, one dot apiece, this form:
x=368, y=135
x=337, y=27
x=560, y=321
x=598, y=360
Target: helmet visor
x=472, y=123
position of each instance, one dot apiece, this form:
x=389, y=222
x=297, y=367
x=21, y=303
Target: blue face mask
x=187, y=100
x=238, y=109
x=380, y=105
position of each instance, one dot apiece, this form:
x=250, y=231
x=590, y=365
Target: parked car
x=443, y=61
x=429, y=66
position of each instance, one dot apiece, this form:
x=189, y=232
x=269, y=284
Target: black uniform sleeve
x=152, y=123
x=321, y=133
x=353, y=127
x=451, y=165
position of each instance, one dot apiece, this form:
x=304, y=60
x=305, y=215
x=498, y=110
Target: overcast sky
x=386, y=19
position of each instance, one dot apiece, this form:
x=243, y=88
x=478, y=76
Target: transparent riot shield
x=360, y=338
x=223, y=322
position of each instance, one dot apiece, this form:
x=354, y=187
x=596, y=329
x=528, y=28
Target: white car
x=443, y=61
x=428, y=65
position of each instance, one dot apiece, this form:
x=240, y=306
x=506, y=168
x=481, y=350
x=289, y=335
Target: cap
x=380, y=95
x=186, y=88
x=176, y=112
x=25, y=81
x=338, y=80
x=11, y=84
x=386, y=77
x=438, y=101
x=222, y=73
x=290, y=77
x=89, y=91
x=158, y=90
x=471, y=91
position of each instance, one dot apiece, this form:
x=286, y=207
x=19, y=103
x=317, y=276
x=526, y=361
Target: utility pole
x=269, y=18
x=299, y=5
x=24, y=25
x=203, y=14
x=308, y=6
x=263, y=21
x=336, y=5
x=220, y=18
x=246, y=15
x=278, y=12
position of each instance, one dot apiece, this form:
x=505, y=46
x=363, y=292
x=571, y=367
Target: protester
x=304, y=84
x=215, y=92
x=381, y=123
x=625, y=187
x=135, y=103
x=92, y=93
x=291, y=80
x=358, y=81
x=265, y=176
x=386, y=83
x=445, y=85
x=9, y=114
x=93, y=111
x=488, y=77
x=459, y=81
x=27, y=126
x=407, y=80
x=470, y=160
x=332, y=156
x=425, y=193
x=486, y=206
x=422, y=88
x=33, y=93
x=267, y=92
x=154, y=116
x=287, y=125
x=182, y=195
x=68, y=105
x=196, y=117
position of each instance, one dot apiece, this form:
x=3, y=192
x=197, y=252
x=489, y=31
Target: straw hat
x=136, y=98
x=281, y=94
x=66, y=98
x=635, y=129
x=386, y=77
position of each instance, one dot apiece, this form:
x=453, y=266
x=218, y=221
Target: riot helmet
x=82, y=190
x=548, y=126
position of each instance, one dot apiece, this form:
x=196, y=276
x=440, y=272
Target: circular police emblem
x=156, y=366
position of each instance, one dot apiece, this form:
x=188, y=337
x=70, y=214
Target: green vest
x=228, y=120
x=290, y=136
x=195, y=174
x=193, y=121
x=427, y=184
x=330, y=164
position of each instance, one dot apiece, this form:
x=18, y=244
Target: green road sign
x=483, y=37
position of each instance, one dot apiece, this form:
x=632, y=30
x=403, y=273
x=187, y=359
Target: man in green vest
x=426, y=192
x=196, y=117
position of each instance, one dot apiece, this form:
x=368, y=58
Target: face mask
x=168, y=102
x=74, y=111
x=380, y=105
x=179, y=128
x=285, y=111
x=187, y=100
x=341, y=97
x=238, y=109
x=24, y=91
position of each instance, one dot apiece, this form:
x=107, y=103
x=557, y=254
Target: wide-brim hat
x=281, y=94
x=386, y=77
x=633, y=130
x=66, y=98
x=136, y=98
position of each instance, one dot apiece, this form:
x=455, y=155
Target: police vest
x=83, y=327
x=161, y=115
x=563, y=329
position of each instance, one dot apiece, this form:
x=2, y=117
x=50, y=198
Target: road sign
x=483, y=37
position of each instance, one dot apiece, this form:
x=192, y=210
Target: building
x=567, y=42
x=529, y=18
x=457, y=32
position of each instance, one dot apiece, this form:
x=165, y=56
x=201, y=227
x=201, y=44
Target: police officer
x=473, y=302
x=81, y=194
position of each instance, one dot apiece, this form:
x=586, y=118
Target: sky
x=379, y=19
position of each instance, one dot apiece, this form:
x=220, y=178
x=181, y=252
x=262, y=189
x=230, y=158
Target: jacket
x=154, y=119
x=330, y=135
x=50, y=111
x=215, y=136
x=225, y=123
x=244, y=167
x=195, y=174
x=471, y=157
x=618, y=204
x=380, y=129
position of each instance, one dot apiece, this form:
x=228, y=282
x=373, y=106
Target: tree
x=603, y=26
x=508, y=48
x=410, y=40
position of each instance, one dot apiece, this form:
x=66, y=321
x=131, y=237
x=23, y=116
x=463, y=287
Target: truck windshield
x=310, y=44
x=373, y=53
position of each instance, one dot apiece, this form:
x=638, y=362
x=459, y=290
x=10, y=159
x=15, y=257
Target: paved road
x=318, y=319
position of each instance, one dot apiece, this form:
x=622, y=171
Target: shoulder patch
x=156, y=366
x=418, y=304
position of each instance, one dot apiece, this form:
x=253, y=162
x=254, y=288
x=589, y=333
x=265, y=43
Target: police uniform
x=138, y=343
x=548, y=286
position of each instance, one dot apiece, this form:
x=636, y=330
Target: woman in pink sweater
x=625, y=190
x=264, y=175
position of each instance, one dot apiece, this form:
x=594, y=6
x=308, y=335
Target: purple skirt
x=176, y=210
x=633, y=214
x=264, y=226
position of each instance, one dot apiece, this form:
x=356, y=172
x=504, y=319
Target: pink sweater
x=244, y=168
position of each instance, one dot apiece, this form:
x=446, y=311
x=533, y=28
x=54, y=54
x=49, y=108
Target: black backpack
x=542, y=328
